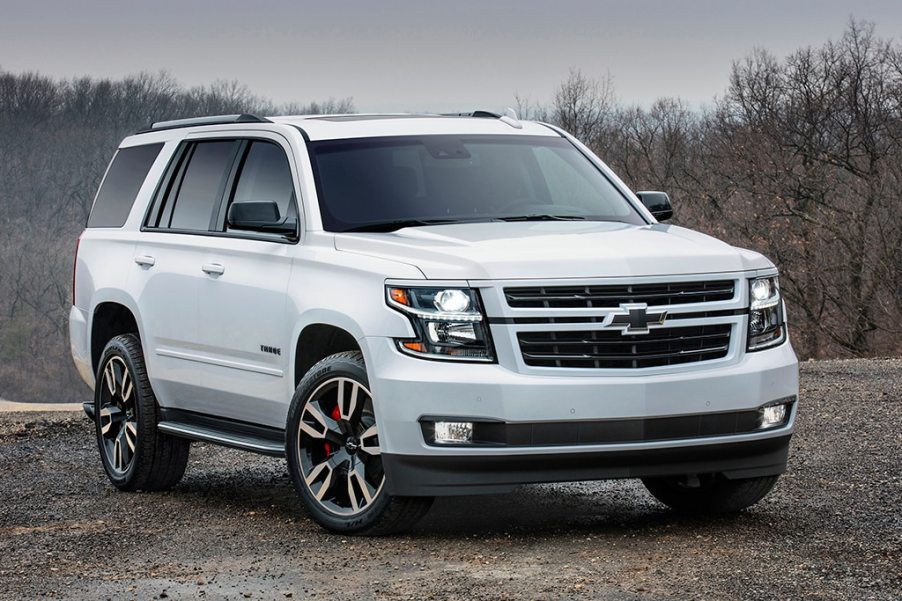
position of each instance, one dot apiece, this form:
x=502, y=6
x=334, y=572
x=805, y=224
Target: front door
x=242, y=298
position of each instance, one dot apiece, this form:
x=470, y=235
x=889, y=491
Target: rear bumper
x=421, y=475
x=79, y=342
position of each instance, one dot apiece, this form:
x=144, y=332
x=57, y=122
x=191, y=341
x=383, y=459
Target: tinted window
x=120, y=186
x=202, y=185
x=367, y=182
x=265, y=175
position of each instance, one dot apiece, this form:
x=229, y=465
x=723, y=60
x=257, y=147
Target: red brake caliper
x=336, y=415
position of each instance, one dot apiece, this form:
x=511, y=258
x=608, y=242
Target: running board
x=236, y=441
x=225, y=432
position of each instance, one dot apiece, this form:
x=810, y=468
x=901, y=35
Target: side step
x=236, y=441
x=222, y=431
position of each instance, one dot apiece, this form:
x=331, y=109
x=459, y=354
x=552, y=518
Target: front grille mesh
x=610, y=349
x=611, y=296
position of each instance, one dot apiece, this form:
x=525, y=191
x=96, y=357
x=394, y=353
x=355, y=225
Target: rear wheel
x=709, y=493
x=334, y=455
x=135, y=455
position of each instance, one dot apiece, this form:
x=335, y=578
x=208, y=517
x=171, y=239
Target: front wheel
x=709, y=493
x=334, y=457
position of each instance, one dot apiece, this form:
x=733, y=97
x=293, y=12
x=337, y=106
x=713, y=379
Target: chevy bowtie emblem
x=634, y=318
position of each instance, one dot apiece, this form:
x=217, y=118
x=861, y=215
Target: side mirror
x=260, y=216
x=657, y=203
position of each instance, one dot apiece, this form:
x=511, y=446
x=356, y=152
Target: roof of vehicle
x=334, y=127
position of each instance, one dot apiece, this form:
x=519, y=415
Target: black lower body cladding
x=433, y=475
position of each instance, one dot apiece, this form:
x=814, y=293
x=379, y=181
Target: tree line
x=800, y=159
x=56, y=139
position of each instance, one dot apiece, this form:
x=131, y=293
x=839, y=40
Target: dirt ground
x=832, y=528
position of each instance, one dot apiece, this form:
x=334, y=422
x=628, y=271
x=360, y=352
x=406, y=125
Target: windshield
x=383, y=184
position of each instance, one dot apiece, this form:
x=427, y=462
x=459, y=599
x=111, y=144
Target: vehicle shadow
x=579, y=508
x=607, y=507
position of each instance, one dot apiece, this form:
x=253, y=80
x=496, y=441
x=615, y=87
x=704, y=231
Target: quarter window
x=124, y=178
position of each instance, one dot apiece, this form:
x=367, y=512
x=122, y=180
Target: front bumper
x=408, y=389
x=411, y=475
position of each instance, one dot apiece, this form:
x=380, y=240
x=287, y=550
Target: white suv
x=407, y=306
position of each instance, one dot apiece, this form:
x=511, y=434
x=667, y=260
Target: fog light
x=453, y=432
x=773, y=415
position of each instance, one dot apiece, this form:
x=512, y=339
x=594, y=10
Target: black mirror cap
x=253, y=213
x=657, y=203
x=260, y=216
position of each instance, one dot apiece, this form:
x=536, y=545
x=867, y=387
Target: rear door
x=168, y=270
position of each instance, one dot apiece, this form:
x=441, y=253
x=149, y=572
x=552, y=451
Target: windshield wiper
x=390, y=226
x=542, y=217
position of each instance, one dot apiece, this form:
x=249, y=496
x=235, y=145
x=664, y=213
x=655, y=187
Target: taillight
x=74, y=265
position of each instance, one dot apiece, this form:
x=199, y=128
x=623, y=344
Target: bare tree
x=811, y=147
x=584, y=106
x=56, y=139
x=801, y=160
x=530, y=110
x=332, y=106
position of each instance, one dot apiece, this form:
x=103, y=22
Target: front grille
x=609, y=349
x=611, y=296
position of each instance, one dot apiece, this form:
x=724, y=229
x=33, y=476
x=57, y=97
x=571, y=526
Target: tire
x=710, y=494
x=135, y=455
x=332, y=446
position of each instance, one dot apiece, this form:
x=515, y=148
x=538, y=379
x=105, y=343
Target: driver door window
x=265, y=175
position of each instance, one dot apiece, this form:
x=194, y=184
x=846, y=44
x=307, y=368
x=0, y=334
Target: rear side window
x=202, y=185
x=120, y=186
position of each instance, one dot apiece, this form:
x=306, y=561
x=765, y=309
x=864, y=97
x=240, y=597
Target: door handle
x=213, y=268
x=145, y=260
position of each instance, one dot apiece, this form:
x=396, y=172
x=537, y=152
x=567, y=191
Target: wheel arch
x=317, y=339
x=110, y=318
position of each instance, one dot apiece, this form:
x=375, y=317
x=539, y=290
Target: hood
x=551, y=249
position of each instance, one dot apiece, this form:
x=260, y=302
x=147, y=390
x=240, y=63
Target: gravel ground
x=832, y=529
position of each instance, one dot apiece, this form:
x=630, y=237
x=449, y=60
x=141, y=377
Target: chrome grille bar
x=611, y=296
x=610, y=349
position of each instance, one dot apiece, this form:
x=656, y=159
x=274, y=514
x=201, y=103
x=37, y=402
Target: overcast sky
x=399, y=55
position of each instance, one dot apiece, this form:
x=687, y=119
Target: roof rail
x=509, y=116
x=477, y=114
x=195, y=121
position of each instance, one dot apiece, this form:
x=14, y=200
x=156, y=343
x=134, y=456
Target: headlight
x=448, y=322
x=767, y=324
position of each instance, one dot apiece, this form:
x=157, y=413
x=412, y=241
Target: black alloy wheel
x=135, y=455
x=334, y=453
